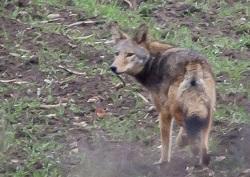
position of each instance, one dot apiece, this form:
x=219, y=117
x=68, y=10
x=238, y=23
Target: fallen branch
x=50, y=106
x=71, y=71
x=86, y=22
x=15, y=81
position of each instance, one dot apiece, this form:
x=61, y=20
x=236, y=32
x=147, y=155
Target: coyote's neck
x=154, y=72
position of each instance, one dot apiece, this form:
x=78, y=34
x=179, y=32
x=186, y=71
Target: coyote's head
x=131, y=53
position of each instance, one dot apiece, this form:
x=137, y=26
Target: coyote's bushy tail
x=195, y=101
x=194, y=124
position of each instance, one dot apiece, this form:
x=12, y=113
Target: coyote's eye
x=116, y=53
x=130, y=54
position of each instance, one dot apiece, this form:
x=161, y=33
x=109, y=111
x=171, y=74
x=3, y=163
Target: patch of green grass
x=228, y=10
x=181, y=36
x=4, y=33
x=49, y=58
x=75, y=108
x=213, y=145
x=243, y=28
x=232, y=113
x=110, y=11
x=233, y=68
x=4, y=89
x=135, y=124
x=204, y=5
x=230, y=43
x=127, y=127
x=231, y=87
x=24, y=152
x=16, y=107
x=58, y=3
x=49, y=28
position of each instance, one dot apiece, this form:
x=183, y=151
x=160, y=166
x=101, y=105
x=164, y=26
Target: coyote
x=181, y=84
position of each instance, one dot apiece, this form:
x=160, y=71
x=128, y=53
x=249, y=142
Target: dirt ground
x=78, y=75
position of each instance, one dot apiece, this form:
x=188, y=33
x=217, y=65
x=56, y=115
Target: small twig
x=143, y=98
x=85, y=37
x=146, y=116
x=121, y=79
x=75, y=24
x=56, y=19
x=50, y=106
x=16, y=81
x=104, y=42
x=71, y=71
x=131, y=3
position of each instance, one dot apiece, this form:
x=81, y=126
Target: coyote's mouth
x=114, y=70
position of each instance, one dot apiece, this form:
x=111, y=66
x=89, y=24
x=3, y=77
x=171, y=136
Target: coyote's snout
x=180, y=82
x=130, y=57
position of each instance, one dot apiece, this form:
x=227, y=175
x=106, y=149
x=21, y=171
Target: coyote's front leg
x=166, y=134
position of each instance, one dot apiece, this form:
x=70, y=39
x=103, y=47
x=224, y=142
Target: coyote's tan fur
x=180, y=82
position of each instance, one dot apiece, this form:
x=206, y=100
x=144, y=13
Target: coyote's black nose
x=113, y=69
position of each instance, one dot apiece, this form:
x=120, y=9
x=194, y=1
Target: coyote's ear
x=117, y=34
x=141, y=35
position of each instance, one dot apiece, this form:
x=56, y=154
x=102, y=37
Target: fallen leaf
x=51, y=115
x=52, y=16
x=72, y=45
x=219, y=158
x=73, y=145
x=244, y=173
x=77, y=118
x=14, y=160
x=100, y=112
x=75, y=150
